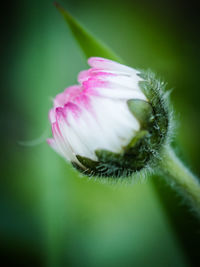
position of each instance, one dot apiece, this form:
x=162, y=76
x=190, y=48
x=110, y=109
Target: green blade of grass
x=90, y=45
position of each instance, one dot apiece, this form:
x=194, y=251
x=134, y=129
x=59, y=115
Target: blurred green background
x=49, y=215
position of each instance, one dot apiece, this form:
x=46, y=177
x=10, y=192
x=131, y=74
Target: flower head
x=107, y=125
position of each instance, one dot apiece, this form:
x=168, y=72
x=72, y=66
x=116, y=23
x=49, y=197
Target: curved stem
x=181, y=178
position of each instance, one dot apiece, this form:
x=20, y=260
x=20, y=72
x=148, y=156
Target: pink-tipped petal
x=71, y=108
x=72, y=92
x=83, y=76
x=52, y=117
x=69, y=94
x=60, y=99
x=106, y=64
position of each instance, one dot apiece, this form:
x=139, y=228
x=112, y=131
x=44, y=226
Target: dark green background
x=51, y=217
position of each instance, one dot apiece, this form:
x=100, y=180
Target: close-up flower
x=106, y=125
x=100, y=134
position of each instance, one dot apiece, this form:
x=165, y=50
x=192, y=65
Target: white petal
x=111, y=127
x=120, y=94
x=131, y=81
x=62, y=143
x=106, y=64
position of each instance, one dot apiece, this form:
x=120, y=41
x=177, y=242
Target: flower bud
x=113, y=123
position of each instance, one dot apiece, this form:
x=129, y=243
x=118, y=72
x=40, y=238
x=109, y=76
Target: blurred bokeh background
x=49, y=215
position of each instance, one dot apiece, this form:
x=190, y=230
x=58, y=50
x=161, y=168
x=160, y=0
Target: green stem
x=181, y=178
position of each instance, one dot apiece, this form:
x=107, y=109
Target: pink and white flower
x=94, y=114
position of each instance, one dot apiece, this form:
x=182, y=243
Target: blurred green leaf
x=90, y=45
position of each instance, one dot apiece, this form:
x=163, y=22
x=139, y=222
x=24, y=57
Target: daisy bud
x=113, y=123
